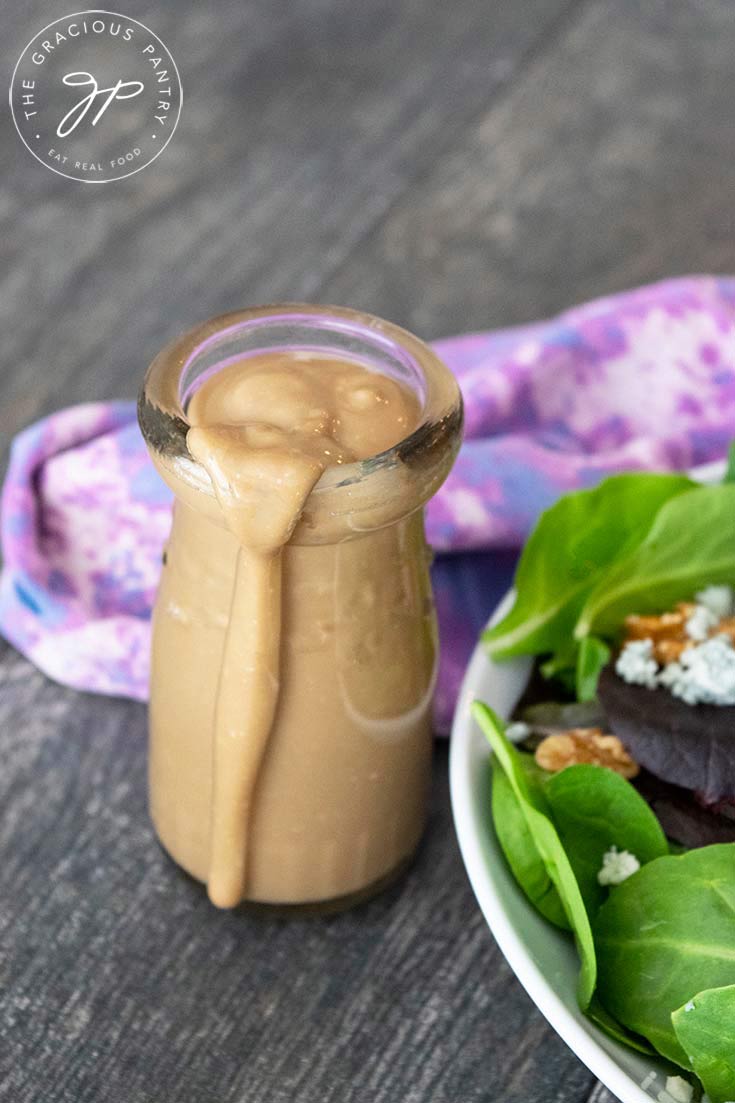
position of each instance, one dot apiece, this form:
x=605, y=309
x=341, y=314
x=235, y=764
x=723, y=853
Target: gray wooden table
x=451, y=166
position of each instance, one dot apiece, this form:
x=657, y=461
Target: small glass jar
x=340, y=800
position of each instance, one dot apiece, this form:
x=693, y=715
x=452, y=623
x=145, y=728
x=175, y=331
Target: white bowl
x=541, y=956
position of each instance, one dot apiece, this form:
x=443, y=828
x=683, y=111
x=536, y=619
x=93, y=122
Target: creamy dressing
x=265, y=429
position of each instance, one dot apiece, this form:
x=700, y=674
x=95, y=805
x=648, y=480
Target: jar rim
x=428, y=450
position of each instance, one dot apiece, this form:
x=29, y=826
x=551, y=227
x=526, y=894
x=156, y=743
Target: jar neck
x=349, y=499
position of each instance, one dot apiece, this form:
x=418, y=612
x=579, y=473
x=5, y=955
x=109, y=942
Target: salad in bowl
x=612, y=791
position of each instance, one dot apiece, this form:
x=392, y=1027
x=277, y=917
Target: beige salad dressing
x=311, y=666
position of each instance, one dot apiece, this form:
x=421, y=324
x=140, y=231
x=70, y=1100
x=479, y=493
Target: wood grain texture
x=450, y=166
x=120, y=982
x=608, y=162
x=302, y=124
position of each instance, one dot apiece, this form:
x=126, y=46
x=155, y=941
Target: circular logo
x=95, y=96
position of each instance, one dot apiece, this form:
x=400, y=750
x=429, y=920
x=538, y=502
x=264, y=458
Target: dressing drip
x=265, y=429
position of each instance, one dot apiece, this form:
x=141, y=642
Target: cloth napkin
x=643, y=379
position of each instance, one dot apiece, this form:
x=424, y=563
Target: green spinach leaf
x=691, y=544
x=548, y=844
x=563, y=663
x=572, y=543
x=705, y=1027
x=521, y=852
x=664, y=935
x=729, y=476
x=602, y=1018
x=593, y=655
x=594, y=809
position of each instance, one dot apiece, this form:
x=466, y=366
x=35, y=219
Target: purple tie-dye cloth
x=644, y=379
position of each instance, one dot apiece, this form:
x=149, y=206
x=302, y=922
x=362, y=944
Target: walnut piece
x=588, y=745
x=666, y=631
x=669, y=651
x=665, y=626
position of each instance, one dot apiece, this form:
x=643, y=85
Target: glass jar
x=340, y=798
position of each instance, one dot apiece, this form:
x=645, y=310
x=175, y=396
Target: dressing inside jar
x=294, y=638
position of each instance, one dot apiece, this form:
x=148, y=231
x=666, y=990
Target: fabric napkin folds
x=643, y=379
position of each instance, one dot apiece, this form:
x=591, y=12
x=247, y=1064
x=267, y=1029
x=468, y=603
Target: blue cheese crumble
x=679, y=1089
x=617, y=866
x=636, y=664
x=704, y=672
x=700, y=623
x=720, y=600
x=517, y=731
x=703, y=675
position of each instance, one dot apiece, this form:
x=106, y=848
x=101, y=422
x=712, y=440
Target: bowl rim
x=580, y=1040
x=465, y=743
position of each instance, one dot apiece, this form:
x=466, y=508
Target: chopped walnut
x=667, y=632
x=588, y=745
x=669, y=651
x=666, y=626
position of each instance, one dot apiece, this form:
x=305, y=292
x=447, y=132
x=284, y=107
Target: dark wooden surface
x=450, y=166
